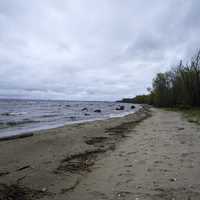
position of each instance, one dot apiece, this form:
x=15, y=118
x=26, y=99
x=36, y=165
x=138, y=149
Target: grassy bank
x=192, y=114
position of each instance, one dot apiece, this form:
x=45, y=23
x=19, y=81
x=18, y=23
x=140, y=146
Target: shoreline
x=32, y=132
x=153, y=154
x=54, y=163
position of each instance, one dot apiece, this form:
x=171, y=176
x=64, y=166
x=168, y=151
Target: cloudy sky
x=92, y=49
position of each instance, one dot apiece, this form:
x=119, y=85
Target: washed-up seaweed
x=17, y=192
x=95, y=140
x=79, y=162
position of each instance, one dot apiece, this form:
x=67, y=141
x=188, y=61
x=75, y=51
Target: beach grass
x=192, y=114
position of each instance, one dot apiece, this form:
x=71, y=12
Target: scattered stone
x=124, y=194
x=120, y=108
x=97, y=111
x=44, y=189
x=132, y=107
x=172, y=179
x=84, y=109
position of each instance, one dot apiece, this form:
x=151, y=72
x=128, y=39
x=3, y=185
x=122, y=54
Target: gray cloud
x=96, y=50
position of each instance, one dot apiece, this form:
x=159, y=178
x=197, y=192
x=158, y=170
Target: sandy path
x=159, y=160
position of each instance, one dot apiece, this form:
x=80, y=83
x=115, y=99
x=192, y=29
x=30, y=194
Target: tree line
x=177, y=87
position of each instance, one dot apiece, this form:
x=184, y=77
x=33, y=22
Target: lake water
x=23, y=116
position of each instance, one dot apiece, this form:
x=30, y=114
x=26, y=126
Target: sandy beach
x=152, y=154
x=36, y=163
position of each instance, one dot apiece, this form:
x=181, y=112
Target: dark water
x=21, y=116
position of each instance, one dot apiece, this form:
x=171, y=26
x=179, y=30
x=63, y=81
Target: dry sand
x=121, y=158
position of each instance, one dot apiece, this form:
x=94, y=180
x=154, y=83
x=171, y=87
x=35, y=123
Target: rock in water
x=97, y=111
x=120, y=108
x=84, y=109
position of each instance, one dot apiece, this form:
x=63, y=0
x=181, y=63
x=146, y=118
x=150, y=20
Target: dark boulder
x=97, y=111
x=84, y=109
x=132, y=107
x=120, y=108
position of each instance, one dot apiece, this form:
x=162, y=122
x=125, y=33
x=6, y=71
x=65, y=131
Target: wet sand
x=135, y=157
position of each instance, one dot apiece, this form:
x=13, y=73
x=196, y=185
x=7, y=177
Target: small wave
x=16, y=123
x=72, y=118
x=47, y=116
x=5, y=114
x=13, y=113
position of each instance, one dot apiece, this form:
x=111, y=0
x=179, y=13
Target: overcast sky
x=92, y=49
